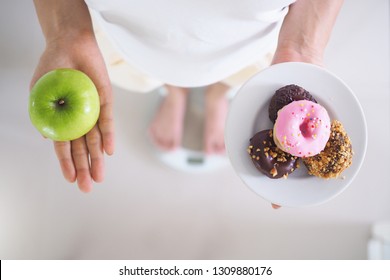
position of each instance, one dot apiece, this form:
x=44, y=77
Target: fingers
x=64, y=155
x=106, y=125
x=95, y=148
x=82, y=159
x=81, y=163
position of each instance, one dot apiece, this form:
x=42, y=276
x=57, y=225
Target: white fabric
x=190, y=42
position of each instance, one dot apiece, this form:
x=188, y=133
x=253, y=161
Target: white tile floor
x=145, y=210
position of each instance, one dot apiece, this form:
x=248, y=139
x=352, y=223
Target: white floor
x=145, y=210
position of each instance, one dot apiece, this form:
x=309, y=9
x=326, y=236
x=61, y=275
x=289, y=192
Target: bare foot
x=215, y=116
x=166, y=128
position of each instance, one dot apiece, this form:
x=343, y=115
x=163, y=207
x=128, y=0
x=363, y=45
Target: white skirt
x=128, y=77
x=187, y=43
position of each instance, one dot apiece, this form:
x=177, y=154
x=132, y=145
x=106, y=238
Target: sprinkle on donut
x=302, y=128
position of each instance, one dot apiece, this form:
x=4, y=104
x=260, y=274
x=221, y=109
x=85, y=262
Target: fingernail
x=275, y=206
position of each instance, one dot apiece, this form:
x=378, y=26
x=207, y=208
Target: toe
x=221, y=148
x=208, y=147
x=167, y=145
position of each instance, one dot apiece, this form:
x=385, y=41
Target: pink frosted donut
x=302, y=128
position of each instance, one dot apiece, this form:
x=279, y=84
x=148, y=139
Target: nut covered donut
x=302, y=128
x=335, y=158
x=268, y=158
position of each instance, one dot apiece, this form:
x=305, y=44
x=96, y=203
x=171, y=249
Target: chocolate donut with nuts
x=268, y=158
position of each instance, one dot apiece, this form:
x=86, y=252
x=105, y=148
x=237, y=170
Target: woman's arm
x=306, y=31
x=60, y=19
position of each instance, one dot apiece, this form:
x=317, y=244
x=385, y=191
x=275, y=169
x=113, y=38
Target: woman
x=182, y=43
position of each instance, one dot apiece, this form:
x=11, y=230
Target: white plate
x=249, y=113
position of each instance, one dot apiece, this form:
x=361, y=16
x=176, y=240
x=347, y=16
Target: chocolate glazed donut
x=268, y=158
x=286, y=95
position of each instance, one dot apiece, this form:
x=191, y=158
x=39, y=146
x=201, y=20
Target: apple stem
x=61, y=102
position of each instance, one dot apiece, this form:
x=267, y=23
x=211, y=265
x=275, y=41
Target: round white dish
x=248, y=114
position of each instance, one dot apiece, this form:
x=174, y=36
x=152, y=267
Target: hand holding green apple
x=81, y=160
x=64, y=104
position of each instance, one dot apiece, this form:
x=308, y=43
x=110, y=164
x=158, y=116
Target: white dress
x=190, y=43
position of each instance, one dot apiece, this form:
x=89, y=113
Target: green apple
x=64, y=104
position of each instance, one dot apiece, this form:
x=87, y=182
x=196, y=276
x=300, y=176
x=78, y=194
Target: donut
x=335, y=158
x=284, y=96
x=302, y=128
x=268, y=158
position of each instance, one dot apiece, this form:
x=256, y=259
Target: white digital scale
x=190, y=156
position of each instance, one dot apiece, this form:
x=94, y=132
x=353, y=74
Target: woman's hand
x=82, y=159
x=306, y=30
